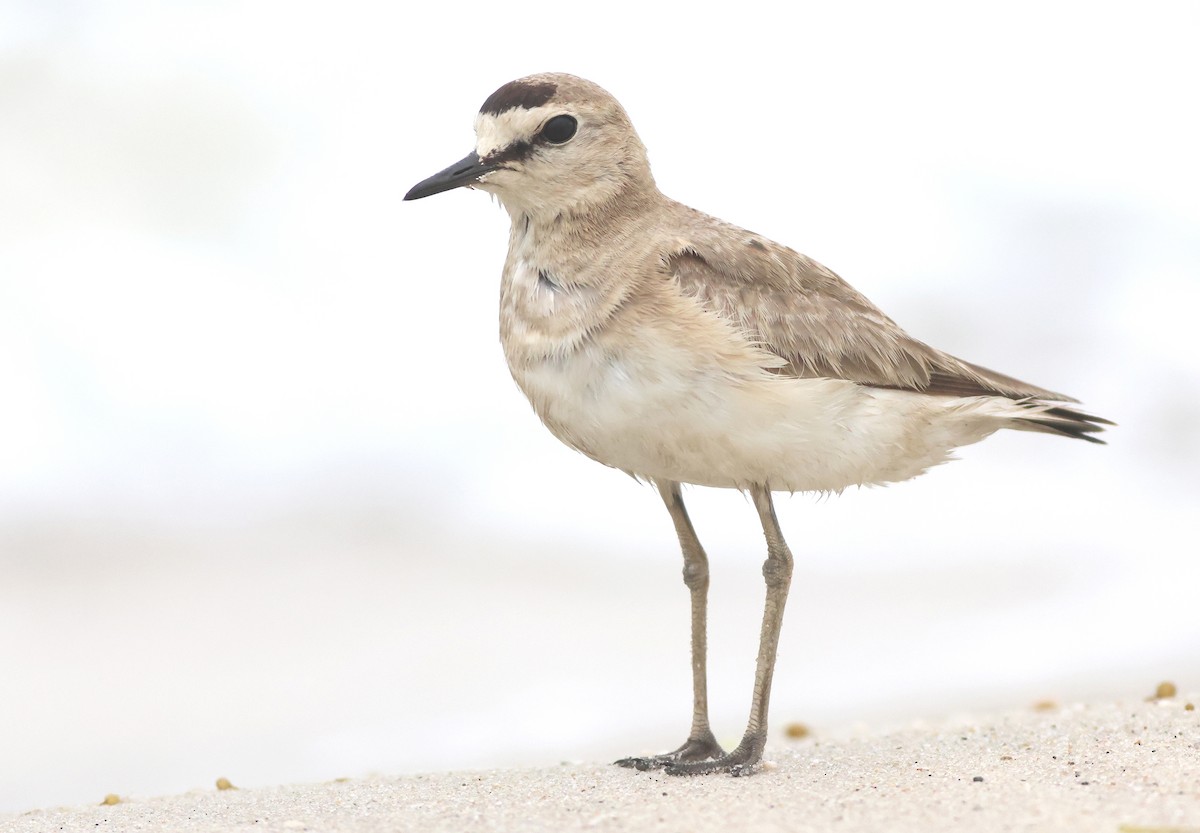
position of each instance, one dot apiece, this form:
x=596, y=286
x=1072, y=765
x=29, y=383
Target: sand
x=1130, y=767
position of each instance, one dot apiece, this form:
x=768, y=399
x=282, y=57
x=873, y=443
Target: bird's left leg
x=777, y=571
x=700, y=743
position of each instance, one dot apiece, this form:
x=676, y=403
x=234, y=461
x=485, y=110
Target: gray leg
x=777, y=570
x=700, y=744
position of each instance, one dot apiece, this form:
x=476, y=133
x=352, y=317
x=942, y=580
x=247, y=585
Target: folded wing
x=823, y=327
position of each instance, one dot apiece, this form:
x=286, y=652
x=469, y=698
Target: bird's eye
x=559, y=129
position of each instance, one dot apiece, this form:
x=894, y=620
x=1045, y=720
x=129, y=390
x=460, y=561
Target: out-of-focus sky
x=271, y=507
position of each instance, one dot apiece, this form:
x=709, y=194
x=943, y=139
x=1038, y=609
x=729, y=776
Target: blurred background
x=272, y=509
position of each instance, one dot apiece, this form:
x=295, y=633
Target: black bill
x=466, y=171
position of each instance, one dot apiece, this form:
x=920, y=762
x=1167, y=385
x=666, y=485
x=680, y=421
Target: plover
x=681, y=349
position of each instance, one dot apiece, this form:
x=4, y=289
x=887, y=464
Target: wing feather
x=818, y=323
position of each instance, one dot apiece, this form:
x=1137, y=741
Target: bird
x=682, y=349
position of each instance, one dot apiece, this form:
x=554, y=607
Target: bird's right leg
x=700, y=744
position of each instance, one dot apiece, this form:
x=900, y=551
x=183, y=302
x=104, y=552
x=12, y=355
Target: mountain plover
x=681, y=349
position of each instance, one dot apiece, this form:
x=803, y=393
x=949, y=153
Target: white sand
x=1120, y=768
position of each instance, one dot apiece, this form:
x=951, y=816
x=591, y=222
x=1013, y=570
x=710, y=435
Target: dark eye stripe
x=516, y=152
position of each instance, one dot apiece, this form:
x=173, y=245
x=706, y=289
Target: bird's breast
x=627, y=394
x=539, y=314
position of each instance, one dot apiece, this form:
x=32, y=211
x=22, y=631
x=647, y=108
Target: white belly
x=666, y=417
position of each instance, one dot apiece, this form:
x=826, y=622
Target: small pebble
x=1164, y=690
x=977, y=778
x=223, y=784
x=111, y=798
x=1045, y=706
x=795, y=731
x=1189, y=707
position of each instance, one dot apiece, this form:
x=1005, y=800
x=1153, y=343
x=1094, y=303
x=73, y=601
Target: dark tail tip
x=1070, y=423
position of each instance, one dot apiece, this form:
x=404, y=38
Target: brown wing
x=818, y=323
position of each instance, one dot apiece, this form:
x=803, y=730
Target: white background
x=271, y=507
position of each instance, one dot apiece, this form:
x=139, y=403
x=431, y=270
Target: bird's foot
x=742, y=761
x=696, y=749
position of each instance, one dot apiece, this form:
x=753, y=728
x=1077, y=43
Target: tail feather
x=1045, y=408
x=1054, y=419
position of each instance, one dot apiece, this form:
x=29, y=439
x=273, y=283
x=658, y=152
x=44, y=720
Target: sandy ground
x=1131, y=767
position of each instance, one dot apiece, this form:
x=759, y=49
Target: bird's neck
x=582, y=226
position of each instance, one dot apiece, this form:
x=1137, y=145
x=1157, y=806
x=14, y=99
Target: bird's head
x=549, y=144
